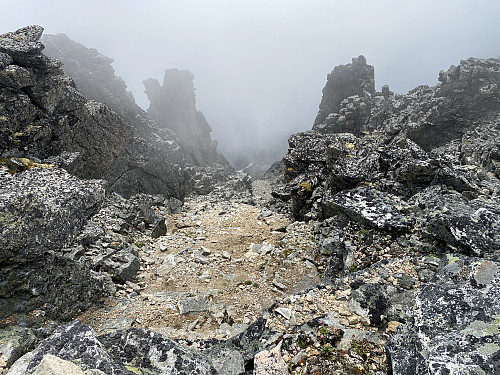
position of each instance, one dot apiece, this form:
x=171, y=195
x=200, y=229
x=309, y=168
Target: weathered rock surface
x=401, y=178
x=43, y=210
x=123, y=352
x=454, y=326
x=45, y=116
x=174, y=133
x=400, y=194
x=415, y=175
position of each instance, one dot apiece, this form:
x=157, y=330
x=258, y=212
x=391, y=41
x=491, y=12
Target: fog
x=260, y=65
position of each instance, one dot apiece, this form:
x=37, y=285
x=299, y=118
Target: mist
x=260, y=66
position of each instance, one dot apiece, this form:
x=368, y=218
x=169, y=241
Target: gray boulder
x=368, y=206
x=471, y=226
x=121, y=353
x=42, y=210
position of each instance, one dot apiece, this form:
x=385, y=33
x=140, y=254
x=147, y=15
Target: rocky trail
x=231, y=257
x=220, y=264
x=128, y=244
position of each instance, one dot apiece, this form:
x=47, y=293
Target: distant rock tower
x=356, y=78
x=173, y=106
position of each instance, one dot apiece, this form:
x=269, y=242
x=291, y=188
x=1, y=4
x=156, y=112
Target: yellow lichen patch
x=306, y=186
x=350, y=145
x=29, y=129
x=26, y=164
x=290, y=169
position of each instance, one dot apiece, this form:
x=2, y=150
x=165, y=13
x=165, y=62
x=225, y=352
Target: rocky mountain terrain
x=372, y=248
x=172, y=115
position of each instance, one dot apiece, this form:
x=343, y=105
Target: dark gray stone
x=121, y=352
x=368, y=206
x=159, y=228
x=42, y=210
x=381, y=303
x=193, y=305
x=454, y=326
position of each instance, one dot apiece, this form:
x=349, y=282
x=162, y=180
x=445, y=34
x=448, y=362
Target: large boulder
x=126, y=352
x=42, y=210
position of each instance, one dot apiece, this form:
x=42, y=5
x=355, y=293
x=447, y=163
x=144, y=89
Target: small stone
x=392, y=326
x=353, y=319
x=285, y=312
x=192, y=305
x=205, y=251
x=205, y=275
x=225, y=254
x=198, y=258
x=192, y=325
x=279, y=285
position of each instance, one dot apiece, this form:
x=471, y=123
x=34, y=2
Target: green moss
x=363, y=232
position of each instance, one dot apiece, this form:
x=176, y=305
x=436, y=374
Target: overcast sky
x=260, y=65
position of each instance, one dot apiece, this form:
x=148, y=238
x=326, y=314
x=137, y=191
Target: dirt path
x=220, y=264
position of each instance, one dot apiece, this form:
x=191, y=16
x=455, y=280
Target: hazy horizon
x=259, y=66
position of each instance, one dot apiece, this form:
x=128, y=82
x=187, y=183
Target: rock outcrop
x=172, y=130
x=42, y=211
x=44, y=116
x=355, y=79
x=421, y=168
x=173, y=106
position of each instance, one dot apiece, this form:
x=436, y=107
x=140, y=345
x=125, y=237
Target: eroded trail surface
x=232, y=260
x=221, y=263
